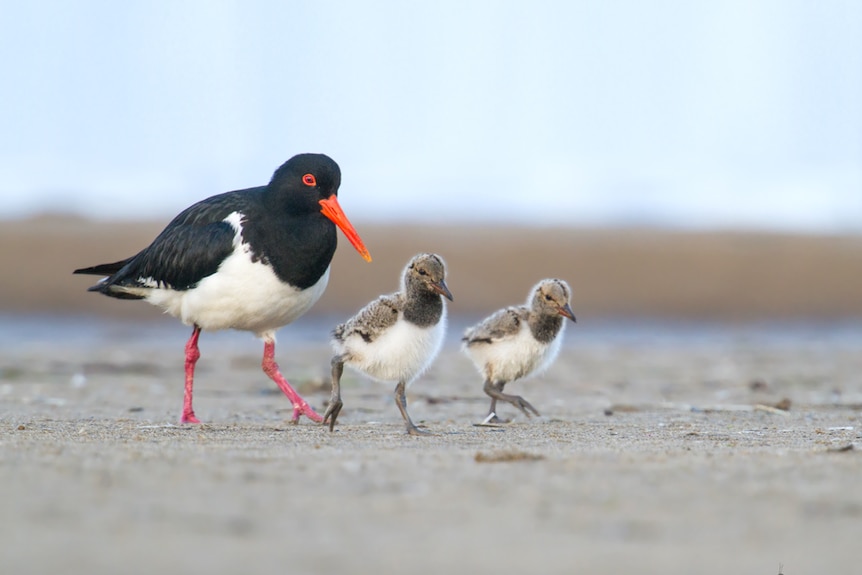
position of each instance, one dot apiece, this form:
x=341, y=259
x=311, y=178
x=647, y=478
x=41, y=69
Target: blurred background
x=669, y=159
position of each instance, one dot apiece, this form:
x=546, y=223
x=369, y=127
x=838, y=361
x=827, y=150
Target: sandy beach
x=704, y=415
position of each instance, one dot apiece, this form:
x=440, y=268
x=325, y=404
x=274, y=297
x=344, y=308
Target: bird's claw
x=415, y=431
x=331, y=413
x=525, y=406
x=494, y=418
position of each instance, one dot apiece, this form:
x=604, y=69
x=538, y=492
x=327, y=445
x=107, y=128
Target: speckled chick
x=518, y=341
x=395, y=337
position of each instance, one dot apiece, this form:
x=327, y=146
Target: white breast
x=241, y=295
x=514, y=357
x=401, y=353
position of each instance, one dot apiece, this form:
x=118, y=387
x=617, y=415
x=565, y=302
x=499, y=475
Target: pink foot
x=304, y=409
x=189, y=418
x=270, y=368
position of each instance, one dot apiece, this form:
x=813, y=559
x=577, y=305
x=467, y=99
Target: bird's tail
x=105, y=286
x=103, y=269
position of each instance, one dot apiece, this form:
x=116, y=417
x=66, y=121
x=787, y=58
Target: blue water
x=86, y=331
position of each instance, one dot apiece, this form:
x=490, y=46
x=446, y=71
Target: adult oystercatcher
x=519, y=341
x=395, y=337
x=252, y=260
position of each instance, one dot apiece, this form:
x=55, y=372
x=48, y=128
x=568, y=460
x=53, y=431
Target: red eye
x=309, y=180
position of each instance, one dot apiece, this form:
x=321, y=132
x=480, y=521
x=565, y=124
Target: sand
x=660, y=448
x=658, y=451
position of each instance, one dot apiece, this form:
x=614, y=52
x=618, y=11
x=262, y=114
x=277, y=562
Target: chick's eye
x=309, y=180
x=423, y=272
x=548, y=298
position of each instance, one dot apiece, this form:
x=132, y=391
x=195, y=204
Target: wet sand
x=660, y=448
x=658, y=451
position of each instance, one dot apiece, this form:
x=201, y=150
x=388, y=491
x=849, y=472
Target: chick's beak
x=441, y=288
x=330, y=208
x=566, y=311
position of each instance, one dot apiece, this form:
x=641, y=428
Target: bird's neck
x=299, y=248
x=421, y=307
x=545, y=327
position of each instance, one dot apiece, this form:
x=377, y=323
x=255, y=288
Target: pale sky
x=740, y=113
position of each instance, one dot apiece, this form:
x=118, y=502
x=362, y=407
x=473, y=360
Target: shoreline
x=655, y=274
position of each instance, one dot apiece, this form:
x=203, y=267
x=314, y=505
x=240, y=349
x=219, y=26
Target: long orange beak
x=331, y=209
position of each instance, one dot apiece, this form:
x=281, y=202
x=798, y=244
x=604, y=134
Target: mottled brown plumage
x=518, y=341
x=396, y=336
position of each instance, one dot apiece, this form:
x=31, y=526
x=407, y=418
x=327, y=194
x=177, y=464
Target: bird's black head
x=300, y=183
x=307, y=185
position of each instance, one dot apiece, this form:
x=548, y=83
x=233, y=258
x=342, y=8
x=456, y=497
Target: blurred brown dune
x=615, y=273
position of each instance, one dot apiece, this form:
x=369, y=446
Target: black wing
x=189, y=249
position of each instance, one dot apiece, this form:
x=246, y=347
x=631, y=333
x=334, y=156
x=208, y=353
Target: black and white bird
x=252, y=260
x=395, y=337
x=519, y=341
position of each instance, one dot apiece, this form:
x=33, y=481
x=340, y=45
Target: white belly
x=401, y=353
x=515, y=357
x=242, y=295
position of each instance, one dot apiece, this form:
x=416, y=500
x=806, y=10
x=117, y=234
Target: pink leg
x=192, y=356
x=270, y=368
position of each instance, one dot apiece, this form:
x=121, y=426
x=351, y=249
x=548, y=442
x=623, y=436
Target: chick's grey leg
x=335, y=404
x=401, y=402
x=492, y=411
x=495, y=391
x=492, y=416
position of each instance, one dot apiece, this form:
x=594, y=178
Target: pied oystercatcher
x=395, y=337
x=252, y=260
x=519, y=341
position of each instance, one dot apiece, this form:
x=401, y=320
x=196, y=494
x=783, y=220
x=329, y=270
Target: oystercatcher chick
x=519, y=341
x=395, y=337
x=252, y=260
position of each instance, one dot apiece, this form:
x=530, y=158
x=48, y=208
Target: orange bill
x=333, y=211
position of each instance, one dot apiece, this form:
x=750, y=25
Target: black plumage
x=253, y=259
x=283, y=229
